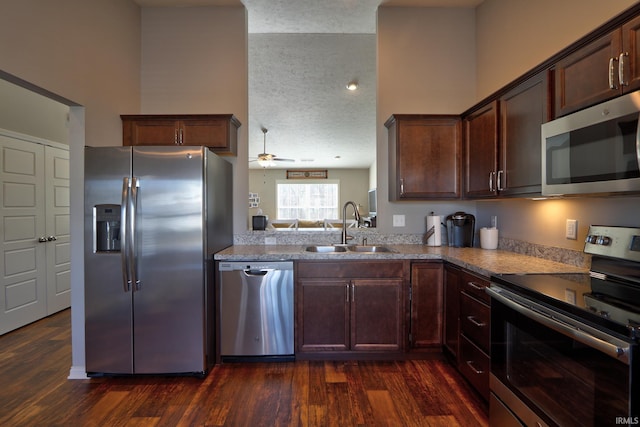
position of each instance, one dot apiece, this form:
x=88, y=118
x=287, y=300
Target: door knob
x=42, y=239
x=52, y=238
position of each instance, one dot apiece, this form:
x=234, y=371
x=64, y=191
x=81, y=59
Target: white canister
x=489, y=238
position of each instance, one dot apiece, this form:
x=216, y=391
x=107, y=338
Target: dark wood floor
x=34, y=391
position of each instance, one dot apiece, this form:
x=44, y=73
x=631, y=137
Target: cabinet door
x=426, y=304
x=631, y=48
x=426, y=157
x=150, y=132
x=323, y=315
x=451, y=308
x=376, y=315
x=481, y=151
x=589, y=75
x=213, y=133
x=522, y=112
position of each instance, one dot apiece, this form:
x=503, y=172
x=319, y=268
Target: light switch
x=398, y=220
x=571, y=231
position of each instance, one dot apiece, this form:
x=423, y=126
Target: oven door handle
x=610, y=346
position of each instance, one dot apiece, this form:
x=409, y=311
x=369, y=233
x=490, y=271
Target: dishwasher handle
x=257, y=272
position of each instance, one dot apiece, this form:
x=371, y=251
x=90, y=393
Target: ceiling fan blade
x=278, y=159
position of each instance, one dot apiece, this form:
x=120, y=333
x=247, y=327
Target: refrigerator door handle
x=133, y=250
x=124, y=234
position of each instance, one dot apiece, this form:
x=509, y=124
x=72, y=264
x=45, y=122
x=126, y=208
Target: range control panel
x=616, y=242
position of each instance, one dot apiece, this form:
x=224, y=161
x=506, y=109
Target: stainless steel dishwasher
x=256, y=310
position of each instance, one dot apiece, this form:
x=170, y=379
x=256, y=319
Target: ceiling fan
x=266, y=159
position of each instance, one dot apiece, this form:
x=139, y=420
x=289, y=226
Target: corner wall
x=426, y=65
x=195, y=61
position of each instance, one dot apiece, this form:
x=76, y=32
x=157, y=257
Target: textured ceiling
x=302, y=53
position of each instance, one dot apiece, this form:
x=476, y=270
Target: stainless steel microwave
x=593, y=151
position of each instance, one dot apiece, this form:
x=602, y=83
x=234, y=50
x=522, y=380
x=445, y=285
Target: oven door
x=548, y=369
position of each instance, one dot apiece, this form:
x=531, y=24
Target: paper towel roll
x=436, y=237
x=489, y=238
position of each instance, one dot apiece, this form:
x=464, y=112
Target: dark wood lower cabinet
x=350, y=308
x=474, y=360
x=426, y=305
x=451, y=326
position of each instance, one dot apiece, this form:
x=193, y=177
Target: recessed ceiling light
x=352, y=85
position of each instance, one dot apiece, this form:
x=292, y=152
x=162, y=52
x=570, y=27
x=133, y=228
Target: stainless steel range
x=564, y=347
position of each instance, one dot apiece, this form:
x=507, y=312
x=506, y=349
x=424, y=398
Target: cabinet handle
x=621, y=65
x=612, y=72
x=353, y=293
x=499, y=180
x=475, y=286
x=181, y=137
x=473, y=368
x=476, y=322
x=175, y=137
x=347, y=289
x=401, y=187
x=491, y=176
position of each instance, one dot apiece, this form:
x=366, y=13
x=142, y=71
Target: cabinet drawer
x=475, y=286
x=475, y=318
x=350, y=269
x=475, y=366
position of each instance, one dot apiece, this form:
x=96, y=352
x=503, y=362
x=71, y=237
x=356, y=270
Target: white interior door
x=56, y=166
x=23, y=296
x=34, y=230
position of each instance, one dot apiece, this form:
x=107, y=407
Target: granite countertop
x=482, y=261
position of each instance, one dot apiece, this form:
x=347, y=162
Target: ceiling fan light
x=265, y=163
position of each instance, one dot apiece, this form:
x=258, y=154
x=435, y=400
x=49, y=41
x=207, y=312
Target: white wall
x=27, y=112
x=513, y=36
x=194, y=60
x=85, y=54
x=426, y=64
x=85, y=51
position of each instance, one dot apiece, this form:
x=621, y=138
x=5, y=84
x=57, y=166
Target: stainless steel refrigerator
x=154, y=216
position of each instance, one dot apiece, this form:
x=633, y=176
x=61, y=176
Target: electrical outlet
x=571, y=231
x=398, y=220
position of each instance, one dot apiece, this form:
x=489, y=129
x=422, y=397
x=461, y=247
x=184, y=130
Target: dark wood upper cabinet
x=424, y=156
x=523, y=110
x=219, y=132
x=600, y=70
x=481, y=151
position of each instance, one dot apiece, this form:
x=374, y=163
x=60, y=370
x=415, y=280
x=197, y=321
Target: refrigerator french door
x=154, y=216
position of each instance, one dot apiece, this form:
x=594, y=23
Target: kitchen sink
x=326, y=249
x=359, y=248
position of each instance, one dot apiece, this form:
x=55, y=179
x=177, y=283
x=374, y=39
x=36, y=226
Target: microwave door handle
x=124, y=234
x=618, y=350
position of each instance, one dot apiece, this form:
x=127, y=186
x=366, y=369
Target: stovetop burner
x=608, y=297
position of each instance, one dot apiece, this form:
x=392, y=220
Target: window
x=308, y=200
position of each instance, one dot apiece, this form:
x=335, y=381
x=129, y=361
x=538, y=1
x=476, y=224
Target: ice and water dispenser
x=106, y=228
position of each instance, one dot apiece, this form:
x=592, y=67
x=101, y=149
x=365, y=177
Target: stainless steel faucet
x=346, y=237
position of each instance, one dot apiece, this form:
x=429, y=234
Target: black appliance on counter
x=460, y=229
x=564, y=347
